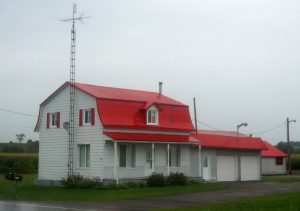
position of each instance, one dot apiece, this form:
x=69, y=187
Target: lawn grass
x=284, y=179
x=279, y=202
x=18, y=154
x=296, y=156
x=25, y=190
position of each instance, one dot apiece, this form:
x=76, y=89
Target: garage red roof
x=272, y=151
x=229, y=142
x=151, y=137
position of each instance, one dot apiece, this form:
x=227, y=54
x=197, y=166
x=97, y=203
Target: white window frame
x=174, y=152
x=53, y=120
x=89, y=122
x=86, y=155
x=130, y=156
x=152, y=112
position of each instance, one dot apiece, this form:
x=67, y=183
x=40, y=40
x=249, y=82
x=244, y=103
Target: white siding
x=53, y=155
x=269, y=166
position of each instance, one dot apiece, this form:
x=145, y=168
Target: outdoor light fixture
x=238, y=126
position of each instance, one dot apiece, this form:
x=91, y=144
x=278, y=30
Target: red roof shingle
x=272, y=151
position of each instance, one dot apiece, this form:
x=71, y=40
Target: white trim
x=160, y=142
x=153, y=158
x=145, y=131
x=168, y=159
x=115, y=160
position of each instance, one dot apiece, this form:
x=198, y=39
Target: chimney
x=160, y=88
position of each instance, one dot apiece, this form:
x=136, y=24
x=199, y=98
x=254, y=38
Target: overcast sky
x=240, y=59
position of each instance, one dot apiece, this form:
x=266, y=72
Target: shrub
x=295, y=164
x=142, y=184
x=78, y=181
x=177, y=179
x=18, y=163
x=156, y=180
x=131, y=184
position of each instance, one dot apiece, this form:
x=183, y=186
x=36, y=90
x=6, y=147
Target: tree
x=20, y=137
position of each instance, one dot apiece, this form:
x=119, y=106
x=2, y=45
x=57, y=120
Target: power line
x=207, y=125
x=268, y=130
x=16, y=112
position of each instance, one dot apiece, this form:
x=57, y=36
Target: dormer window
x=87, y=116
x=152, y=116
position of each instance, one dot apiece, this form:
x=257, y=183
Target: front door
x=148, y=161
x=206, y=167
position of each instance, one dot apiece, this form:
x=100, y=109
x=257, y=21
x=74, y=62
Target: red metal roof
x=229, y=142
x=272, y=151
x=102, y=92
x=118, y=113
x=151, y=137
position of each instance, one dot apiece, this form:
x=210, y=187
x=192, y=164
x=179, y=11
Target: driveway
x=235, y=190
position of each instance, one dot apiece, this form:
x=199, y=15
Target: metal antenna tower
x=71, y=130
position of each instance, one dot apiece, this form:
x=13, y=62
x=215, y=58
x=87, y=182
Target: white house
x=227, y=156
x=119, y=134
x=273, y=160
x=125, y=134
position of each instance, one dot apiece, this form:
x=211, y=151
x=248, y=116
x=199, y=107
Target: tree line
x=294, y=147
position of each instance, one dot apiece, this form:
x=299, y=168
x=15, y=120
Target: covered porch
x=137, y=159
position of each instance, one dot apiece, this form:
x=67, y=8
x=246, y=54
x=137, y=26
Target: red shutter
x=92, y=116
x=48, y=120
x=80, y=117
x=58, y=120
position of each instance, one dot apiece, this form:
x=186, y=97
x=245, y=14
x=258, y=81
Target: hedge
x=295, y=164
x=19, y=163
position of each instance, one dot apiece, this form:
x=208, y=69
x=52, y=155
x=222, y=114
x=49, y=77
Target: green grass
x=25, y=190
x=281, y=179
x=297, y=156
x=278, y=202
x=21, y=154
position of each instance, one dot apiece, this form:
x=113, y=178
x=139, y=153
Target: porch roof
x=151, y=137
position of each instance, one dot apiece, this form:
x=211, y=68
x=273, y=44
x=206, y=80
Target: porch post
x=168, y=159
x=153, y=158
x=115, y=161
x=200, y=162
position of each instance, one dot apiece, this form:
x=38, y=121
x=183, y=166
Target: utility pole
x=195, y=114
x=288, y=143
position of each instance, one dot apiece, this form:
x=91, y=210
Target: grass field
x=285, y=178
x=278, y=202
x=295, y=156
x=18, y=154
x=25, y=190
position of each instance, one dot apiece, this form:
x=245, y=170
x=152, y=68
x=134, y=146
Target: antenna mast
x=72, y=90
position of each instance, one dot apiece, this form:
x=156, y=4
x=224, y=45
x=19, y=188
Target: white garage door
x=226, y=168
x=250, y=168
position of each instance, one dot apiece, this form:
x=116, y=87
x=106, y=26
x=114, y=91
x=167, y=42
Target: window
x=53, y=119
x=205, y=161
x=279, y=161
x=149, y=156
x=152, y=116
x=127, y=156
x=174, y=156
x=84, y=155
x=87, y=116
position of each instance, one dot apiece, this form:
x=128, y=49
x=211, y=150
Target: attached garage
x=233, y=158
x=250, y=168
x=226, y=168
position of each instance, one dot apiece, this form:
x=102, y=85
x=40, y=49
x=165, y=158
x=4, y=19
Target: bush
x=156, y=180
x=78, y=181
x=18, y=163
x=295, y=164
x=177, y=179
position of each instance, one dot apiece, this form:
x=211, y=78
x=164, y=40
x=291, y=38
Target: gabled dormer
x=152, y=117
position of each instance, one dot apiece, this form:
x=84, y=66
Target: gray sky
x=240, y=59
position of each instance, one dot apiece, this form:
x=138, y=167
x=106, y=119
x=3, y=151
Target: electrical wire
x=207, y=125
x=16, y=112
x=271, y=129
